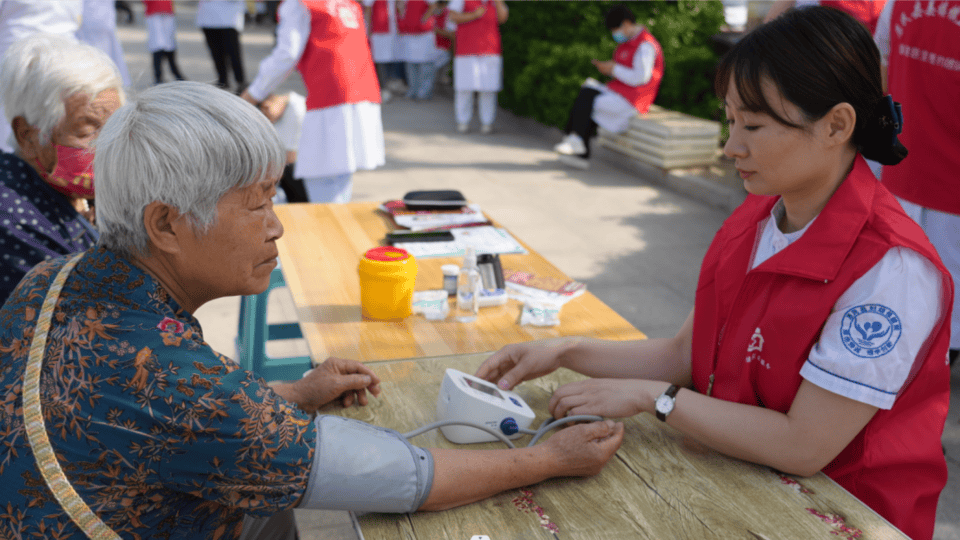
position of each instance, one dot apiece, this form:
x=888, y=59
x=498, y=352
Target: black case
x=438, y=199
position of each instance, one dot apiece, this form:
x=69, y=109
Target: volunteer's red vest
x=336, y=64
x=482, y=36
x=440, y=22
x=753, y=329
x=640, y=96
x=380, y=17
x=924, y=72
x=865, y=11
x=153, y=7
x=411, y=22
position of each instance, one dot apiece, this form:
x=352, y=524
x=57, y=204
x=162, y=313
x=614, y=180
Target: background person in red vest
x=162, y=37
x=636, y=68
x=342, y=130
x=415, y=27
x=477, y=63
x=819, y=334
x=444, y=32
x=384, y=44
x=920, y=50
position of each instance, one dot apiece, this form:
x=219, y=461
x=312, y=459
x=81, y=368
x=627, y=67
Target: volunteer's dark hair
x=817, y=57
x=617, y=14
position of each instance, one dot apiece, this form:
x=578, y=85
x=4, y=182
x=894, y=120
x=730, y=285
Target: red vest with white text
x=153, y=7
x=924, y=76
x=380, y=17
x=411, y=22
x=481, y=36
x=753, y=330
x=336, y=64
x=640, y=96
x=865, y=11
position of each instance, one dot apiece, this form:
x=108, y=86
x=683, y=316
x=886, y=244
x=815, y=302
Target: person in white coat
x=98, y=27
x=20, y=19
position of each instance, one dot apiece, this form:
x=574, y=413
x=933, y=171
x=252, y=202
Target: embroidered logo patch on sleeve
x=870, y=330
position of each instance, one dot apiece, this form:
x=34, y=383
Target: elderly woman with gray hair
x=56, y=93
x=111, y=388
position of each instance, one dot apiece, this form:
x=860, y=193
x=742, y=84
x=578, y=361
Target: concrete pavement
x=636, y=244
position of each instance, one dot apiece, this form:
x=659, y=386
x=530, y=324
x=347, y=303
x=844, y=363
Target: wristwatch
x=666, y=401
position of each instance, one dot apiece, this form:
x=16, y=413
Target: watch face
x=664, y=404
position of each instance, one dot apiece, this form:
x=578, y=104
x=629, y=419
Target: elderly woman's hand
x=336, y=378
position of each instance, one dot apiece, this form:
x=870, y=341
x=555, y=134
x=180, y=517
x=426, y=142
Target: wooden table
x=320, y=251
x=660, y=485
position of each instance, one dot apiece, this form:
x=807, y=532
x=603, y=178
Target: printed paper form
x=485, y=239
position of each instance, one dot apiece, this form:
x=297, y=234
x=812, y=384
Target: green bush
x=548, y=45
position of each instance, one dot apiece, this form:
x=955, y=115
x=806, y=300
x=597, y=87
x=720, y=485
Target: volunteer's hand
x=336, y=378
x=583, y=449
x=612, y=398
x=248, y=98
x=604, y=67
x=479, y=12
x=274, y=106
x=520, y=362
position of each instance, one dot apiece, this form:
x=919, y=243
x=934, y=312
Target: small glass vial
x=468, y=288
x=450, y=272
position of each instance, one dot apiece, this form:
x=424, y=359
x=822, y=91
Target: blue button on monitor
x=515, y=402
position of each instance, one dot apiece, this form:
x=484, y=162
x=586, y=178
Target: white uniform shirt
x=904, y=283
x=99, y=28
x=221, y=14
x=386, y=47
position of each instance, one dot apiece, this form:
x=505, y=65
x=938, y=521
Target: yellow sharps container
x=387, y=276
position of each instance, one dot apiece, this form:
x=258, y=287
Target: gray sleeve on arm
x=366, y=468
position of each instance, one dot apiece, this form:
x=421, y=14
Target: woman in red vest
x=477, y=63
x=342, y=130
x=920, y=49
x=162, y=37
x=636, y=68
x=819, y=334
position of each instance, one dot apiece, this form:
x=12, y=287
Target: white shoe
x=385, y=95
x=486, y=129
x=574, y=161
x=571, y=145
x=396, y=85
x=462, y=128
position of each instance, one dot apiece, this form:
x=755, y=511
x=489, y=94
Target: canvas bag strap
x=43, y=453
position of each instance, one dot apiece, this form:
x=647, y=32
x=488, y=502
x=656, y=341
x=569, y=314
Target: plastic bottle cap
x=450, y=269
x=470, y=258
x=386, y=253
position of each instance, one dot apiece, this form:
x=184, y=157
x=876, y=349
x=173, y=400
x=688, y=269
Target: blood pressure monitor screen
x=486, y=389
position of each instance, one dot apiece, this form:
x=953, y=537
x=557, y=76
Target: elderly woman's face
x=80, y=125
x=236, y=256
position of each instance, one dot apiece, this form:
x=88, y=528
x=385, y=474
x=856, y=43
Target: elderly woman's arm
x=360, y=467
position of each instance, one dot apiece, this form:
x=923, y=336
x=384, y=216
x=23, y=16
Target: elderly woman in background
x=57, y=94
x=158, y=434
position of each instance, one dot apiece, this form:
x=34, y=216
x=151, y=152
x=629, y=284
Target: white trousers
x=463, y=105
x=329, y=189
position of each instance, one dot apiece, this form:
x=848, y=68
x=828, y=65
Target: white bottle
x=468, y=287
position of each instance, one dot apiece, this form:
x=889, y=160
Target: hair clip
x=891, y=118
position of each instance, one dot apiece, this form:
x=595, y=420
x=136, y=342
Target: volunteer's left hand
x=610, y=398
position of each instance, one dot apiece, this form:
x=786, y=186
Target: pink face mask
x=73, y=175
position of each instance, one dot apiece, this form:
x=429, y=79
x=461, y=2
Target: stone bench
x=666, y=139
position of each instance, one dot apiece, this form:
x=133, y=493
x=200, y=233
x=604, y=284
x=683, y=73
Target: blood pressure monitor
x=467, y=398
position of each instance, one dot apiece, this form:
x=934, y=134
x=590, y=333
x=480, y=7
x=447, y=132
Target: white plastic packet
x=431, y=304
x=540, y=313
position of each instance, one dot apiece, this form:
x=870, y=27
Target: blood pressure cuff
x=366, y=468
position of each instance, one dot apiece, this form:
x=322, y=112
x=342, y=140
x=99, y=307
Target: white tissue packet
x=540, y=314
x=432, y=304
